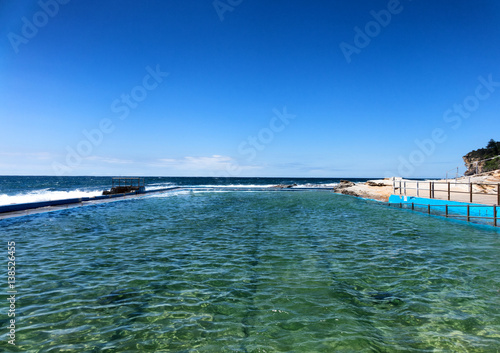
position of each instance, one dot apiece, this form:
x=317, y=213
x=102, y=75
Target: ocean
x=21, y=189
x=242, y=271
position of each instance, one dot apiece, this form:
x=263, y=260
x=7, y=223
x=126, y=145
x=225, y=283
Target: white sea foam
x=159, y=186
x=331, y=185
x=249, y=186
x=168, y=194
x=45, y=195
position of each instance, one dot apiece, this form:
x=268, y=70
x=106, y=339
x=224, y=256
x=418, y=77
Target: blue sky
x=247, y=88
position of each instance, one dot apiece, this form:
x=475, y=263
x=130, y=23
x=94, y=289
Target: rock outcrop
x=284, y=186
x=345, y=184
x=121, y=190
x=373, y=183
x=473, y=165
x=372, y=189
x=344, y=188
x=483, y=160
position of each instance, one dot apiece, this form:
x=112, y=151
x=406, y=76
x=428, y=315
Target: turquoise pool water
x=252, y=272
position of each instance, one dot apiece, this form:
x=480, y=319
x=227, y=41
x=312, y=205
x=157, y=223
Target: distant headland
x=483, y=160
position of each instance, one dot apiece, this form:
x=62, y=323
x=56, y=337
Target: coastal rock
x=348, y=192
x=346, y=187
x=372, y=183
x=346, y=184
x=483, y=160
x=283, y=186
x=120, y=190
x=373, y=189
x=343, y=184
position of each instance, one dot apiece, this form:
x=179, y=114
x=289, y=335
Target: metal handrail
x=456, y=174
x=432, y=190
x=447, y=214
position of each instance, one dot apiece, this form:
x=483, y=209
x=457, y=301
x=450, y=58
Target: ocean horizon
x=33, y=188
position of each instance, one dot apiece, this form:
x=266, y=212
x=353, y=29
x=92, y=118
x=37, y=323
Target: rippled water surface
x=252, y=272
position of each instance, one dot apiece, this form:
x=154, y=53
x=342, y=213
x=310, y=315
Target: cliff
x=483, y=160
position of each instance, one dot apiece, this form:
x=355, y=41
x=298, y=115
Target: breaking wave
x=46, y=195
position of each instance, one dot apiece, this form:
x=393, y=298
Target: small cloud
x=31, y=155
x=109, y=160
x=215, y=163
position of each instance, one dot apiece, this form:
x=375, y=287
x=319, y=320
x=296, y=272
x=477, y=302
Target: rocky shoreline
x=381, y=189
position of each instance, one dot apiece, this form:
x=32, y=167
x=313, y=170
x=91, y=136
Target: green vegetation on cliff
x=477, y=158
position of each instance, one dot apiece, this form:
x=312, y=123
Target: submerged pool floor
x=252, y=272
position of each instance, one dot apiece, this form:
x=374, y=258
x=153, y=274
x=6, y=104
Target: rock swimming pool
x=253, y=272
